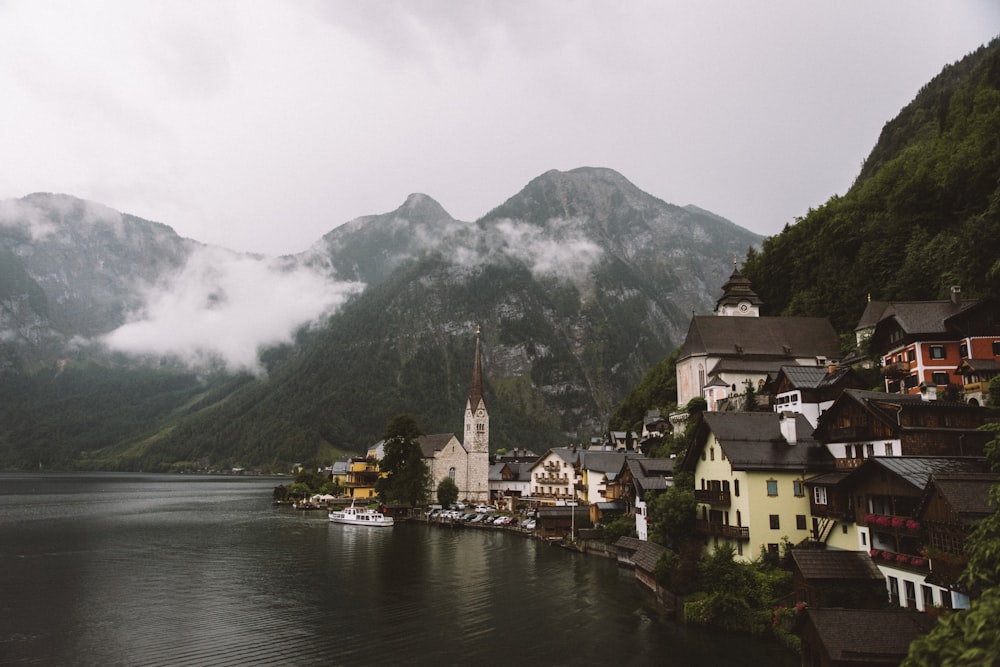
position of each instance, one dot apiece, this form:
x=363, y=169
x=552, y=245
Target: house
x=466, y=462
x=359, y=481
x=835, y=578
x=859, y=637
x=639, y=480
x=554, y=476
x=811, y=390
x=881, y=512
x=861, y=424
x=749, y=471
x=510, y=479
x=951, y=506
x=556, y=523
x=922, y=344
x=595, y=469
x=976, y=375
x=735, y=345
x=642, y=556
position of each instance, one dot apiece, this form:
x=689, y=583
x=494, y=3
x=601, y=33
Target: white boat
x=360, y=516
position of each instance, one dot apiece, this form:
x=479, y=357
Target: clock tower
x=738, y=298
x=477, y=433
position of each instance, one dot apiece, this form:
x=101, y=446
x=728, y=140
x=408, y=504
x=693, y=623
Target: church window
x=451, y=473
x=480, y=428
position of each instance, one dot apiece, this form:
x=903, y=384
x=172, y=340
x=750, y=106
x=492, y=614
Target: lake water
x=117, y=569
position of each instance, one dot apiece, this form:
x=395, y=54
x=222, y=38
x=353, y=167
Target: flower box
x=869, y=518
x=917, y=562
x=874, y=553
x=886, y=555
x=902, y=558
x=882, y=521
x=897, y=522
x=912, y=525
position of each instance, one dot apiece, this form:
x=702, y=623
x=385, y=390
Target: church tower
x=477, y=433
x=738, y=298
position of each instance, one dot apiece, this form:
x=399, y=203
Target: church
x=466, y=462
x=723, y=351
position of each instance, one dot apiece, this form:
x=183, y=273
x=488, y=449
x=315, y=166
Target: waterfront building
x=640, y=480
x=555, y=476
x=467, y=462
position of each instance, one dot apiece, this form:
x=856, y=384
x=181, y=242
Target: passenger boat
x=360, y=516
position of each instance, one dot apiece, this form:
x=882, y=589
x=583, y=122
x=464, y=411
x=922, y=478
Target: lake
x=132, y=569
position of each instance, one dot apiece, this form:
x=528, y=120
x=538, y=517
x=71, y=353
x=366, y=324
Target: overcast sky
x=260, y=126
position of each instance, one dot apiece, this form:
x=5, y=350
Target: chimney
x=831, y=368
x=956, y=294
x=787, y=423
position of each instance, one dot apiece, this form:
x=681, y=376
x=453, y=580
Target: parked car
x=529, y=524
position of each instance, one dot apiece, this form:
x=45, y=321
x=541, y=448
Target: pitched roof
x=651, y=474
x=917, y=470
x=979, y=365
x=814, y=377
x=968, y=494
x=642, y=554
x=431, y=444
x=924, y=317
x=834, y=564
x=778, y=337
x=605, y=461
x=754, y=441
x=866, y=635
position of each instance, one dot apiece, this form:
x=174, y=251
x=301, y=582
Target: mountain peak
x=419, y=207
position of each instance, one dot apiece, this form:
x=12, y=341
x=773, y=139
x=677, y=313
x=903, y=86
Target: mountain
x=580, y=283
x=922, y=215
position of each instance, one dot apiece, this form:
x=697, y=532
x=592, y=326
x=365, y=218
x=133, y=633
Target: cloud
x=225, y=307
x=560, y=249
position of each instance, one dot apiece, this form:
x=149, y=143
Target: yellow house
x=362, y=473
x=749, y=471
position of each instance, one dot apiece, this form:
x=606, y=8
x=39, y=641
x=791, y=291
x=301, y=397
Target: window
x=940, y=378
x=775, y=522
x=736, y=487
x=911, y=381
x=797, y=488
x=996, y=348
x=928, y=594
x=864, y=537
x=772, y=547
x=800, y=521
x=451, y=473
x=963, y=350
x=910, y=591
x=869, y=450
x=911, y=355
x=937, y=351
x=772, y=487
x=819, y=495
x=893, y=590
x=888, y=449
x=711, y=453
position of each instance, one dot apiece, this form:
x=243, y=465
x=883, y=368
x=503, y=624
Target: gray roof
x=753, y=441
x=968, y=494
x=917, y=470
x=924, y=317
x=980, y=365
x=868, y=635
x=605, y=461
x=651, y=474
x=780, y=337
x=431, y=444
x=642, y=554
x=833, y=564
x=814, y=377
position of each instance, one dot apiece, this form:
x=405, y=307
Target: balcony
x=849, y=434
x=542, y=479
x=908, y=562
x=901, y=525
x=711, y=497
x=741, y=533
x=849, y=464
x=552, y=466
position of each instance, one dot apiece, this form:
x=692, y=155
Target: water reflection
x=105, y=569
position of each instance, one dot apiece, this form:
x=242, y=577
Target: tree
x=447, y=491
x=994, y=389
x=407, y=476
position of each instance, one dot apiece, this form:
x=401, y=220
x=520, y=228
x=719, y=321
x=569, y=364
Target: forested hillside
x=922, y=215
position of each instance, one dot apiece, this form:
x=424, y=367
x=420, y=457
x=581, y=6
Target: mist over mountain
x=580, y=282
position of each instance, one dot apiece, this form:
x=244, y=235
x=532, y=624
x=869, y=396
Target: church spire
x=476, y=394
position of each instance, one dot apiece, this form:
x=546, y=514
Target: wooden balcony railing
x=741, y=533
x=720, y=498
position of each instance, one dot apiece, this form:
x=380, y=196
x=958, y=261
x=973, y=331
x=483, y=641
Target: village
x=869, y=493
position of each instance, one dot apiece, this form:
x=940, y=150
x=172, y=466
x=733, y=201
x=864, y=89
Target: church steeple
x=738, y=297
x=477, y=418
x=476, y=395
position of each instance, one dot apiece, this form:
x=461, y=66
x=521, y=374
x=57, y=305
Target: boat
x=360, y=516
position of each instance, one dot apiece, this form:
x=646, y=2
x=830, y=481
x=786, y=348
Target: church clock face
x=744, y=306
x=479, y=413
